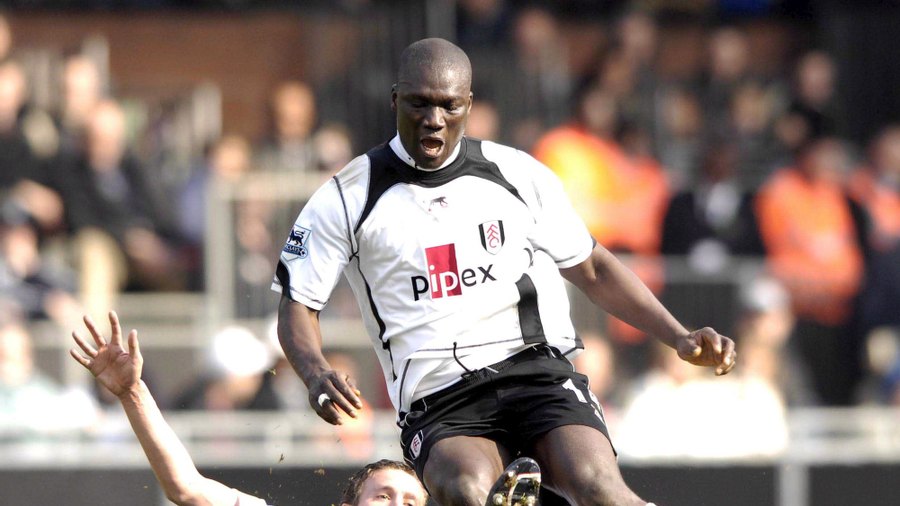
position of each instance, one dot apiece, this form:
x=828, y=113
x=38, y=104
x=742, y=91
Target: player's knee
x=591, y=486
x=462, y=489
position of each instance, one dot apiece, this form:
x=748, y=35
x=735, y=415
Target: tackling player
x=383, y=483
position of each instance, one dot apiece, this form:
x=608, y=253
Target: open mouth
x=432, y=147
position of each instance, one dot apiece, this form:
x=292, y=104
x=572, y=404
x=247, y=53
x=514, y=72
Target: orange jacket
x=810, y=238
x=621, y=200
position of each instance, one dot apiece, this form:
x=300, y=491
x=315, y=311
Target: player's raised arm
x=301, y=339
x=614, y=288
x=119, y=370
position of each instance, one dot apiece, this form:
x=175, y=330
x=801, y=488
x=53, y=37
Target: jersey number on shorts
x=593, y=402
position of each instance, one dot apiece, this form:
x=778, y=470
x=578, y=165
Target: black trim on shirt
x=387, y=169
x=284, y=277
x=353, y=249
x=529, y=314
x=385, y=344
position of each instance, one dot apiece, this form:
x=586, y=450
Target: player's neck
x=397, y=146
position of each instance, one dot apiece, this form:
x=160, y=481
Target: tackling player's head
x=386, y=482
x=432, y=99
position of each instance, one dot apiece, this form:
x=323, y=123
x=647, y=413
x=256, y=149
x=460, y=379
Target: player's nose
x=434, y=118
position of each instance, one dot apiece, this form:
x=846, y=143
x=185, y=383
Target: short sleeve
x=559, y=231
x=316, y=250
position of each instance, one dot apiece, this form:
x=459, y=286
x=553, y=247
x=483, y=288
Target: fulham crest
x=492, y=236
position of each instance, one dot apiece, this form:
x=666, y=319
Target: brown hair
x=355, y=485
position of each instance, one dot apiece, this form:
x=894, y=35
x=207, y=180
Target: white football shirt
x=454, y=269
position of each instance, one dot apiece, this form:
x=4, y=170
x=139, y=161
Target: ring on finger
x=323, y=398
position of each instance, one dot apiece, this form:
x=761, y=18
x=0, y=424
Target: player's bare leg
x=578, y=463
x=461, y=469
x=519, y=485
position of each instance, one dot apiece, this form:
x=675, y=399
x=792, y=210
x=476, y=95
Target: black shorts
x=530, y=394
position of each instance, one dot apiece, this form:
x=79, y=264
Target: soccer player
x=456, y=250
x=383, y=483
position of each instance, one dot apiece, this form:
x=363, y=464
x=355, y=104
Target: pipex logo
x=444, y=278
x=492, y=236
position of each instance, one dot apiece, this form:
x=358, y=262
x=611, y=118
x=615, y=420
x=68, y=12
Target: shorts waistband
x=478, y=375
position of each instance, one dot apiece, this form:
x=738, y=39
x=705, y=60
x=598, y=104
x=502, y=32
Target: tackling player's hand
x=115, y=368
x=706, y=347
x=332, y=390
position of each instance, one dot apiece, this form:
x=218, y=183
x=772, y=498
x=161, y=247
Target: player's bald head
x=434, y=58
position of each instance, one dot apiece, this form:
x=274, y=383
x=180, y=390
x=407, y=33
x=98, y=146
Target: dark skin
x=432, y=104
x=432, y=100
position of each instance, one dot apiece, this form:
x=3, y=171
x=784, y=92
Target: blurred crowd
x=713, y=159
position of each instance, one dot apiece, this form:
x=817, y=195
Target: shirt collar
x=401, y=153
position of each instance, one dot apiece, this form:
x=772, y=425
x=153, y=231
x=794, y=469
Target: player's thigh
x=461, y=469
x=578, y=462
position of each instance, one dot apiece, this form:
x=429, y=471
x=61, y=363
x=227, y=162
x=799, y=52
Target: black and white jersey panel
x=453, y=269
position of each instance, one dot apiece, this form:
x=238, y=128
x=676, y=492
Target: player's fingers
x=339, y=398
x=688, y=348
x=712, y=339
x=348, y=389
x=134, y=349
x=78, y=358
x=98, y=338
x=115, y=329
x=325, y=407
x=728, y=361
x=85, y=347
x=727, y=369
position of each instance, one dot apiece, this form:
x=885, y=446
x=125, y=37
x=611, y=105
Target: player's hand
x=706, y=347
x=115, y=368
x=332, y=390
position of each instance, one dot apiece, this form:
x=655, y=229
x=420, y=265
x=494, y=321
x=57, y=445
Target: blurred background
x=741, y=156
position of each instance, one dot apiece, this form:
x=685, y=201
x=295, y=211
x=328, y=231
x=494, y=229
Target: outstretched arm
x=119, y=370
x=301, y=339
x=614, y=288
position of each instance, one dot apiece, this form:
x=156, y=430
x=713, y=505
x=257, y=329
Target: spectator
x=83, y=87
x=30, y=402
x=729, y=55
x=881, y=384
x=750, y=407
x=227, y=161
x=238, y=378
x=620, y=195
x=333, y=147
x=812, y=247
x=814, y=96
x=23, y=182
x=26, y=280
x=538, y=74
x=290, y=148
x=482, y=23
x=713, y=219
x=751, y=115
x=680, y=135
x=484, y=121
x=876, y=189
x=764, y=327
x=124, y=235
